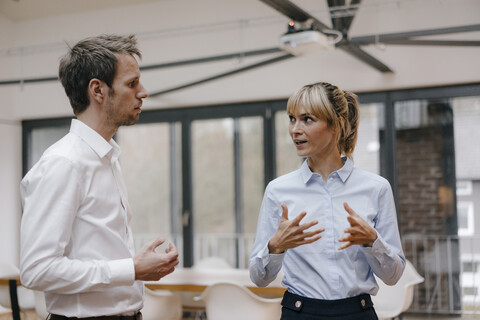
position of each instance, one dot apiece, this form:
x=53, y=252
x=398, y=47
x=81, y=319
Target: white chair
x=230, y=300
x=190, y=305
x=161, y=305
x=40, y=307
x=391, y=301
x=5, y=311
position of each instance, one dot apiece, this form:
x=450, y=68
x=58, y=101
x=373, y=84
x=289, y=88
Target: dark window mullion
x=238, y=187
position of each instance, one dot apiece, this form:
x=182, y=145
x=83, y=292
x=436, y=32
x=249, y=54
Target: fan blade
x=212, y=58
x=456, y=43
x=295, y=13
x=357, y=52
x=410, y=34
x=222, y=75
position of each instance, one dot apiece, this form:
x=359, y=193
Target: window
x=464, y=188
x=465, y=218
x=151, y=168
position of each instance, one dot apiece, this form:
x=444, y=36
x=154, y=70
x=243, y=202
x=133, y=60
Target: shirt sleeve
x=386, y=256
x=51, y=196
x=265, y=266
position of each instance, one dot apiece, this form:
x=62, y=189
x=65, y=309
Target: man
x=76, y=244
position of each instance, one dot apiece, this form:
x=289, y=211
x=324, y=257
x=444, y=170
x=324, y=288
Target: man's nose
x=143, y=93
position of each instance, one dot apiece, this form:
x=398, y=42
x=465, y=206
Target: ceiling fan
x=342, y=15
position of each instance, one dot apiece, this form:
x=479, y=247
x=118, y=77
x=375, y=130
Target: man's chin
x=131, y=121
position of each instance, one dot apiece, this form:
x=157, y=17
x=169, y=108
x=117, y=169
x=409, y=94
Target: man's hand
x=150, y=265
x=360, y=232
x=291, y=234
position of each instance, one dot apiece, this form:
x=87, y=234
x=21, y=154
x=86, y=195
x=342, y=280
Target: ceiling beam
x=162, y=65
x=362, y=40
x=455, y=43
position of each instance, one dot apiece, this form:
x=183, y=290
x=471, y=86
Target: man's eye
x=131, y=84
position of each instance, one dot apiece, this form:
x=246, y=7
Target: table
x=196, y=280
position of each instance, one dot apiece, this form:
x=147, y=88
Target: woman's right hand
x=291, y=233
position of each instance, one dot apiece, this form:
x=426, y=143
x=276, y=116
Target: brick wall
x=425, y=208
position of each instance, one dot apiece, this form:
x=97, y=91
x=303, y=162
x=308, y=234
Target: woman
x=328, y=270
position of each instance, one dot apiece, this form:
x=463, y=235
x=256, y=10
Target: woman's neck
x=325, y=165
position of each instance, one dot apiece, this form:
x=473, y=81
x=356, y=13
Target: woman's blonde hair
x=339, y=108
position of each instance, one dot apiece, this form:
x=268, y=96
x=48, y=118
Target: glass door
x=227, y=187
x=151, y=166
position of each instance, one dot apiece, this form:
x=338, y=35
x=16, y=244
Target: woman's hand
x=360, y=232
x=291, y=234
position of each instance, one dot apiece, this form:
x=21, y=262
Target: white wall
x=172, y=30
x=10, y=163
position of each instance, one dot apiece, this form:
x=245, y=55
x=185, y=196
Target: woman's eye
x=308, y=119
x=292, y=118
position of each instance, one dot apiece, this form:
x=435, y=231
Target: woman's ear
x=96, y=90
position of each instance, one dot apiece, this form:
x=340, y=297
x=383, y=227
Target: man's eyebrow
x=135, y=78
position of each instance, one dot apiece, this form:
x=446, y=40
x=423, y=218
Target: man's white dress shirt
x=319, y=270
x=76, y=244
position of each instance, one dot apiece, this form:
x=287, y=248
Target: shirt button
x=298, y=304
x=362, y=302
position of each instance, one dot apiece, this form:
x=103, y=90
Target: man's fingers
x=171, y=247
x=155, y=243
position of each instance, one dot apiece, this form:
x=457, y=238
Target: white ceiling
x=20, y=10
x=178, y=30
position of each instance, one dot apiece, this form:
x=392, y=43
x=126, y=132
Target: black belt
x=327, y=307
x=136, y=316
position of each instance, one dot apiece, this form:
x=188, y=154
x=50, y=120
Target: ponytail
x=349, y=135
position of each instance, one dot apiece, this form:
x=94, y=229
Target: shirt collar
x=343, y=173
x=98, y=144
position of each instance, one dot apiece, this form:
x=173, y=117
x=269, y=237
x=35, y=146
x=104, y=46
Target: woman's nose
x=296, y=127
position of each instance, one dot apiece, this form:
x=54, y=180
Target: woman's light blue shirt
x=319, y=270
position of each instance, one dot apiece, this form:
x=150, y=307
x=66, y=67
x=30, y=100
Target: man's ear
x=96, y=90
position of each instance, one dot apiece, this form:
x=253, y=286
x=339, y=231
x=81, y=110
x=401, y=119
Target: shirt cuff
x=379, y=250
x=273, y=258
x=122, y=271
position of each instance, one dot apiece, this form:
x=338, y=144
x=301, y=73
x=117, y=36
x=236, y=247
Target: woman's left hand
x=360, y=232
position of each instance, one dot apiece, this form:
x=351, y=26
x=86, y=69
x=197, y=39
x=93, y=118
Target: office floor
x=31, y=315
